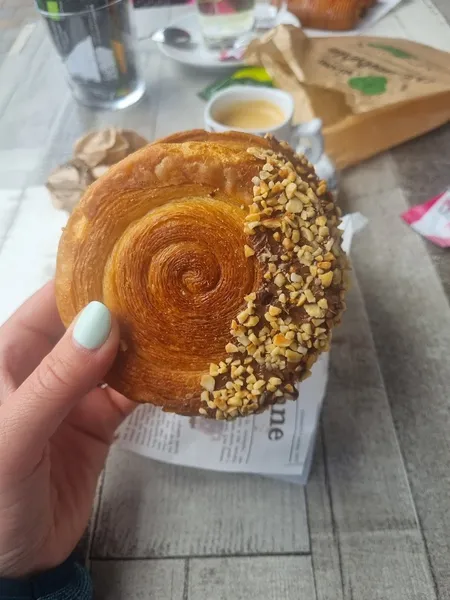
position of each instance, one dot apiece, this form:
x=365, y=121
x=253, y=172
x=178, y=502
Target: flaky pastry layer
x=217, y=253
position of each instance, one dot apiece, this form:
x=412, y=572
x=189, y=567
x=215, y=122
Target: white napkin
x=30, y=229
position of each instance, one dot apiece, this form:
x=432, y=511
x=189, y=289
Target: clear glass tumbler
x=222, y=22
x=227, y=23
x=95, y=42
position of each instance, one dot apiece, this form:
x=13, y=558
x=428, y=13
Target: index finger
x=37, y=318
x=27, y=337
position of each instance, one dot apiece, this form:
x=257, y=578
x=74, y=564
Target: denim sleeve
x=69, y=581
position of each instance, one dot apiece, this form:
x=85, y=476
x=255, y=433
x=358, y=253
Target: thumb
x=75, y=366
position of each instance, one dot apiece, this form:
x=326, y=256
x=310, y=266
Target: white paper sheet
x=274, y=442
x=30, y=228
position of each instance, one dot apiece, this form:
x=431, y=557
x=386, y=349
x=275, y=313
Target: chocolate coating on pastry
x=220, y=256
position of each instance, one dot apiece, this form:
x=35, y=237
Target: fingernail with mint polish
x=93, y=326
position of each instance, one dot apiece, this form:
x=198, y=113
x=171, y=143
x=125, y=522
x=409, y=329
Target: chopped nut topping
x=281, y=340
x=321, y=221
x=279, y=280
x=248, y=251
x=294, y=222
x=252, y=321
x=294, y=206
x=326, y=279
x=208, y=382
x=309, y=295
x=213, y=369
x=271, y=223
x=230, y=349
x=324, y=264
x=243, y=316
x=307, y=234
x=313, y=310
x=291, y=188
x=294, y=357
x=253, y=217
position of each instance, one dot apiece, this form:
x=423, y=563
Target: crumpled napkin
x=93, y=154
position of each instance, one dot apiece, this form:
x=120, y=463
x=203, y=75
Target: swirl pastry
x=339, y=15
x=221, y=258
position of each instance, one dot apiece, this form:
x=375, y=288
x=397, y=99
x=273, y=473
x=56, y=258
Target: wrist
x=25, y=569
x=68, y=576
x=37, y=562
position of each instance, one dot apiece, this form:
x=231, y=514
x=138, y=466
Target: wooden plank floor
x=410, y=322
x=373, y=522
x=151, y=509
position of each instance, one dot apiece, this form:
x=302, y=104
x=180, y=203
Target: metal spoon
x=173, y=36
x=180, y=38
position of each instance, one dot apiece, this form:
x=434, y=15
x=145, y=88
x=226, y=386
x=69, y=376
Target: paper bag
x=371, y=93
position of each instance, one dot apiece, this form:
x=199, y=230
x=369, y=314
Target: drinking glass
x=95, y=42
x=224, y=22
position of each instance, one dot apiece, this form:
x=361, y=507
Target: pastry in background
x=334, y=15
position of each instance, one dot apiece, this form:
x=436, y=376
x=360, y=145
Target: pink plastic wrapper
x=232, y=54
x=432, y=219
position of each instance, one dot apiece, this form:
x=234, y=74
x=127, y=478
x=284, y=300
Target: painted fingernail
x=93, y=326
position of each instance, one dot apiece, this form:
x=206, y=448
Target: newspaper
x=278, y=443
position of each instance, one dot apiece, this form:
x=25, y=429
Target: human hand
x=56, y=428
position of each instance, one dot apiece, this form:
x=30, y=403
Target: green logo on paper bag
x=392, y=50
x=369, y=86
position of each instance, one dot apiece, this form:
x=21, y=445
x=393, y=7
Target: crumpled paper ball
x=93, y=154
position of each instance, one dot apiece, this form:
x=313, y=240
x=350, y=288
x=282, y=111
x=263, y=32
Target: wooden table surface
x=374, y=521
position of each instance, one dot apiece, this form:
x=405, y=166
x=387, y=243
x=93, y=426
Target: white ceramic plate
x=199, y=56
